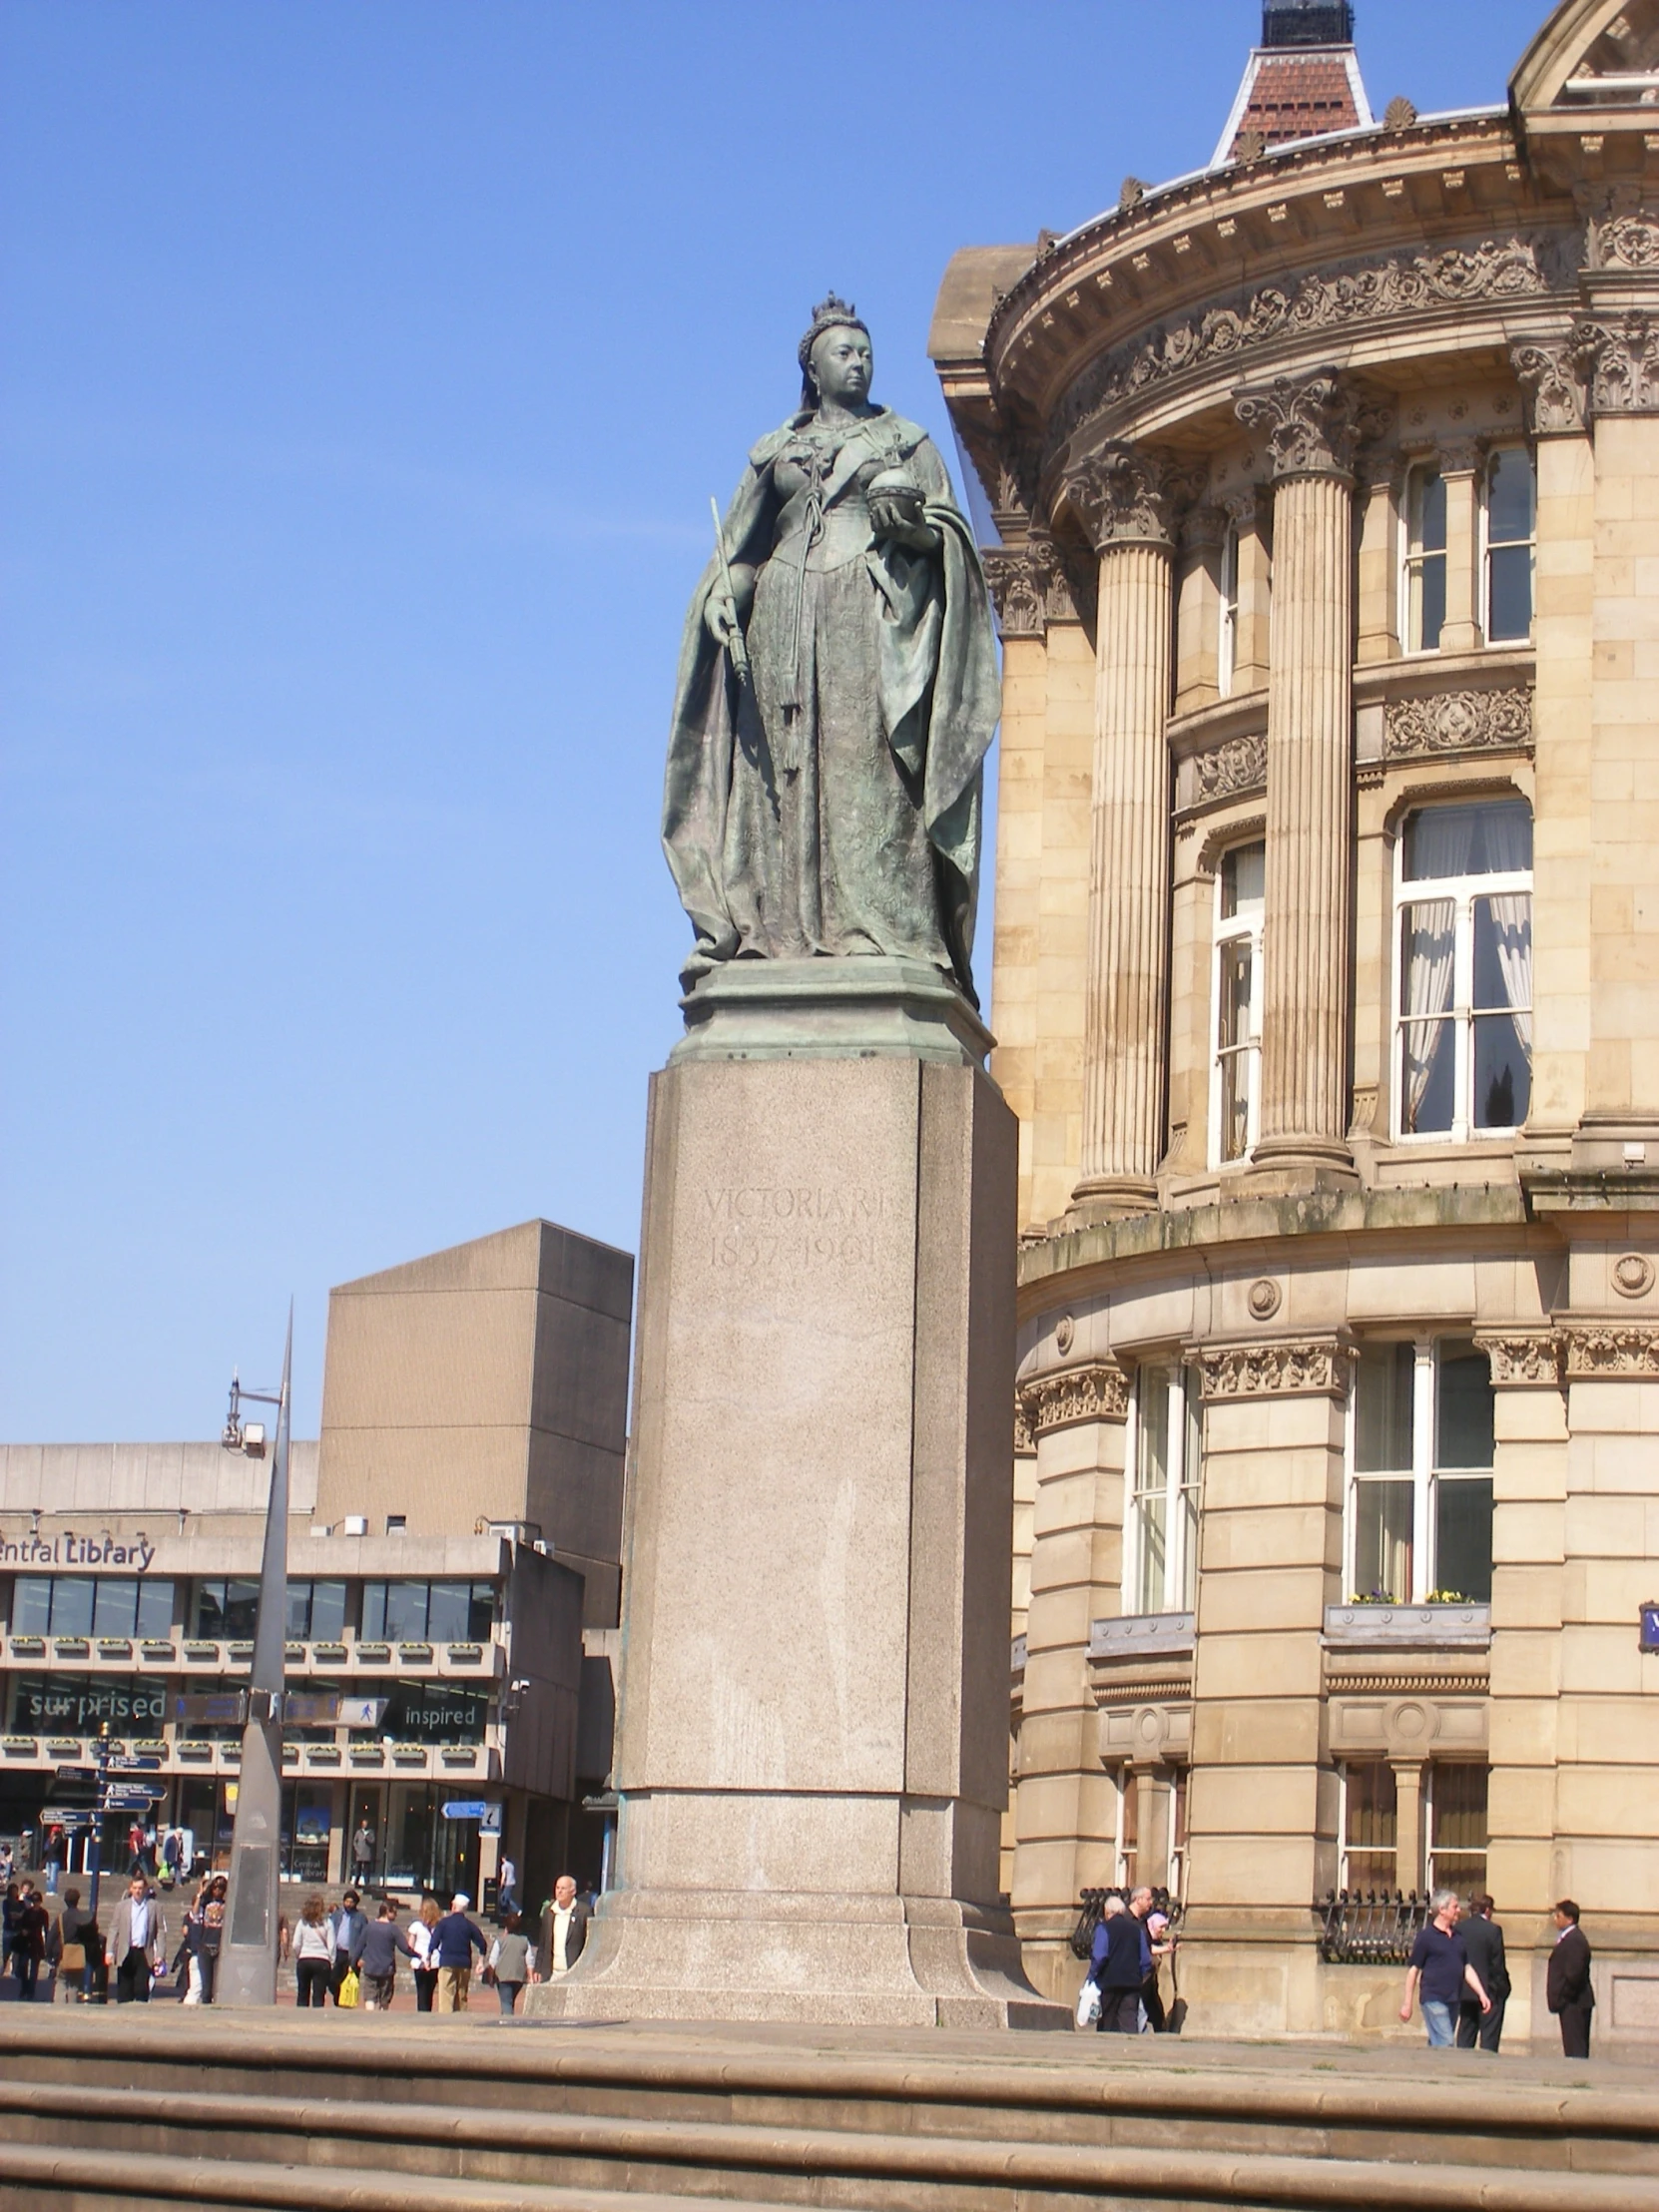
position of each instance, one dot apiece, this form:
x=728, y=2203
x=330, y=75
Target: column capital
x=1205, y=527
x=1068, y=1396
x=1318, y=1367
x=1028, y=586
x=1125, y=495
x=1621, y=358
x=1548, y=373
x=1524, y=1359
x=1313, y=423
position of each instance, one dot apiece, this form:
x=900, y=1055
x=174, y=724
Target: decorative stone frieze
x=1458, y=722
x=1230, y=770
x=1125, y=495
x=1624, y=234
x=1028, y=587
x=1026, y=1443
x=1523, y=1359
x=1321, y=1368
x=1307, y=422
x=1622, y=360
x=1625, y=1348
x=1548, y=373
x=1366, y=292
x=1098, y=1392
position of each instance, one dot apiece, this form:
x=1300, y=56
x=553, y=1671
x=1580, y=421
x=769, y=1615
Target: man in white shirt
x=506, y=1888
x=567, y=1928
x=137, y=1942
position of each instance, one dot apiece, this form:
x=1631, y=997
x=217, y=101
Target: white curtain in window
x=1508, y=847
x=1430, y=942
x=1442, y=839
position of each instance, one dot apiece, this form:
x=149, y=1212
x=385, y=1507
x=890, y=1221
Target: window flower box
x=151, y=1747
x=375, y=1655
x=408, y=1755
x=202, y=1653
x=368, y=1755
x=1465, y=1626
x=323, y=1755
x=466, y=1655
x=294, y=1654
x=193, y=1751
x=114, y=1647
x=18, y=1747
x=71, y=1647
x=331, y=1654
x=239, y=1652
x=157, y=1655
x=414, y=1655
x=28, y=1647
x=63, y=1747
x=459, y=1755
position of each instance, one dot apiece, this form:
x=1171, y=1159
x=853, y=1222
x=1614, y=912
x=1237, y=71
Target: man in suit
x=565, y=1931
x=1484, y=1941
x=137, y=1942
x=1567, y=1990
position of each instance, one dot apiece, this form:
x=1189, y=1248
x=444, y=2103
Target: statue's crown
x=832, y=312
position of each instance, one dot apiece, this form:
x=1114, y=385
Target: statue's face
x=842, y=365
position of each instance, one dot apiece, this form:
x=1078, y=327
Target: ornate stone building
x=1326, y=497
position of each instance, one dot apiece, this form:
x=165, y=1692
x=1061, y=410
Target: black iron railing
x=1093, y=1903
x=1369, y=1927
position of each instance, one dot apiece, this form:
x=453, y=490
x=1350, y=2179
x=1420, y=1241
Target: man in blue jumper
x=454, y=1940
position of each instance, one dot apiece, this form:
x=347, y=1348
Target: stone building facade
x=1324, y=486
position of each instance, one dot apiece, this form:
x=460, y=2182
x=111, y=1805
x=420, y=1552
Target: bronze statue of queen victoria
x=829, y=804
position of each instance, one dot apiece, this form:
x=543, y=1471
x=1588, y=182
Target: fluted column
x=1124, y=498
x=1309, y=428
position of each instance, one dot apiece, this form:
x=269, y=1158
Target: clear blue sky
x=365, y=374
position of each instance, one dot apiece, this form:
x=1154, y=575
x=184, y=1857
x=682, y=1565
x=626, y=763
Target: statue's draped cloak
x=851, y=825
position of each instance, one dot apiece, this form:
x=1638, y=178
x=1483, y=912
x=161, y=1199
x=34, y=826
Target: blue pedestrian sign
x=465, y=1809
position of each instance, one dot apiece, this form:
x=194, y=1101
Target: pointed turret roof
x=1302, y=81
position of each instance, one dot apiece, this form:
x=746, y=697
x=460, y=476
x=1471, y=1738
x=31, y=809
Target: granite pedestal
x=813, y=1749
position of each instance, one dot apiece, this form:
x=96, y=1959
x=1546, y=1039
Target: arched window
x=1463, y=906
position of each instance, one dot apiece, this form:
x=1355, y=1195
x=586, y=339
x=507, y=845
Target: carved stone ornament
x=1307, y=423
x=1547, y=372
x=1366, y=292
x=1524, y=1360
x=1098, y=1392
x=1626, y=1348
x=1124, y=495
x=1028, y=587
x=1231, y=769
x=1622, y=359
x=1026, y=1445
x=1265, y=1299
x=1633, y=1275
x=1458, y=722
x=1627, y=234
x=1319, y=1368
x=1065, y=1334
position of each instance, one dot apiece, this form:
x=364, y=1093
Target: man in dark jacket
x=347, y=1925
x=375, y=1958
x=1567, y=1990
x=1116, y=1969
x=454, y=1940
x=1484, y=1941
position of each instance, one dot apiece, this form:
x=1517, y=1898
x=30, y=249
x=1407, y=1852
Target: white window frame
x=1345, y=1847
x=1431, y=1773
x=1461, y=891
x=1227, y=634
x=1228, y=930
x=1487, y=549
x=1425, y=465
x=1184, y=1463
x=1120, y=1846
x=1423, y=1474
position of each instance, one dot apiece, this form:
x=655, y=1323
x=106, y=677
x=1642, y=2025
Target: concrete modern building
x=1322, y=491
x=453, y=1561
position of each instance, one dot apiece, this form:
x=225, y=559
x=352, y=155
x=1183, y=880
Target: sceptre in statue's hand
x=731, y=628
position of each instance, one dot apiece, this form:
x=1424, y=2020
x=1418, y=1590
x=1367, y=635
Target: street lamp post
x=95, y=1849
x=247, y=1960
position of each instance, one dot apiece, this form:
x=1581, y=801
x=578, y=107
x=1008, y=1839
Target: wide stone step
x=48, y=2178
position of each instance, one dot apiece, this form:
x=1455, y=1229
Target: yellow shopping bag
x=349, y=1990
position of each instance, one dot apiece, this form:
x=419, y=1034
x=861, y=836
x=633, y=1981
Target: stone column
x=1123, y=497
x=1063, y=1804
x=1459, y=468
x=1309, y=422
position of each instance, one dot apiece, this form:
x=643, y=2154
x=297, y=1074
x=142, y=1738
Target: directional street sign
x=127, y=1764
x=76, y=1784
x=465, y=1809
x=362, y=1712
x=129, y=1797
x=226, y=1705
x=72, y=1818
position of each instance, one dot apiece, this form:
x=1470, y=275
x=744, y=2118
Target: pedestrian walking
x=57, y=1853
x=420, y=1946
x=136, y=1948
x=205, y=1935
x=1160, y=1945
x=172, y=1844
x=1567, y=1990
x=567, y=1928
x=377, y=1959
x=1440, y=1967
x=363, y=1850
x=506, y=1889
x=347, y=1925
x=73, y=1948
x=8, y=1930
x=1116, y=1970
x=313, y=1956
x=454, y=1940
x=31, y=1927
x=1484, y=1941
x=512, y=1960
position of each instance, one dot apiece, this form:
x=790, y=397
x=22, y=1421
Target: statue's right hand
x=721, y=615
